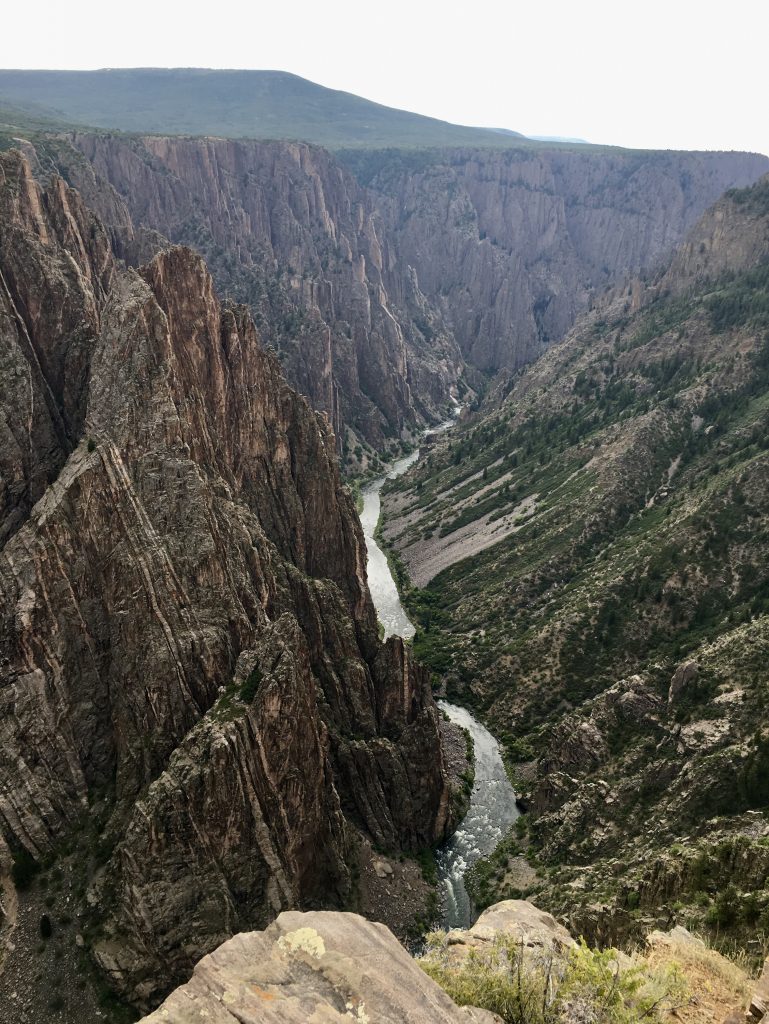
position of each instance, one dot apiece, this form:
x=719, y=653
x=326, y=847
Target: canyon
x=384, y=279
x=491, y=805
x=204, y=732
x=588, y=557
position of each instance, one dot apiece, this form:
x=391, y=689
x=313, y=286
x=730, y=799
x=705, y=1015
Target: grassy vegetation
x=425, y=920
x=28, y=121
x=526, y=989
x=251, y=684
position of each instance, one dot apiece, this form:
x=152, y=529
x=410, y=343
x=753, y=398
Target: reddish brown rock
x=193, y=529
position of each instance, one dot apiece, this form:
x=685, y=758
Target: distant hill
x=558, y=138
x=235, y=104
x=28, y=118
x=542, y=138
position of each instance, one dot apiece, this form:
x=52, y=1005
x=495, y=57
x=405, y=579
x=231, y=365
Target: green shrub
x=753, y=779
x=594, y=979
x=742, y=300
x=520, y=750
x=586, y=984
x=496, y=980
x=425, y=858
x=724, y=911
x=251, y=684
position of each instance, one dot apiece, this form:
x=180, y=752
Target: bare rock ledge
x=320, y=967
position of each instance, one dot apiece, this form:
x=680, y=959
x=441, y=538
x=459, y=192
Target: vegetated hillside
x=199, y=725
x=611, y=620
x=27, y=119
x=231, y=104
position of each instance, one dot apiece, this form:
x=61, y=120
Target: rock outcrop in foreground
x=534, y=930
x=329, y=966
x=322, y=966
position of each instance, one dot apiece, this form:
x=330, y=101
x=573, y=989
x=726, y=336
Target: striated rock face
x=55, y=270
x=511, y=245
x=730, y=237
x=186, y=633
x=289, y=231
x=316, y=966
x=375, y=288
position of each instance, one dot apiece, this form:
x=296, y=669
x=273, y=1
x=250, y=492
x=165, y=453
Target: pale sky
x=654, y=74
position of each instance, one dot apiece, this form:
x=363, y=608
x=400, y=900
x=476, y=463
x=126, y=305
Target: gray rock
x=683, y=676
x=677, y=935
x=534, y=930
x=319, y=966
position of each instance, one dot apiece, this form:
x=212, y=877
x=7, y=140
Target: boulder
x=685, y=674
x=536, y=931
x=318, y=966
x=759, y=1003
x=676, y=936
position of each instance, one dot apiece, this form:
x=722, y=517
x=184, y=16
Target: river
x=384, y=593
x=491, y=812
x=492, y=802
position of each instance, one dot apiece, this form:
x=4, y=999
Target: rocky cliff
x=512, y=246
x=195, y=705
x=378, y=276
x=57, y=269
x=732, y=236
x=286, y=229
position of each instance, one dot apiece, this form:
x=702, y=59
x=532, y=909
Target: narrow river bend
x=492, y=801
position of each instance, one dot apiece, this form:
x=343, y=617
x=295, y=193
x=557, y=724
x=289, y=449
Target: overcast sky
x=658, y=73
